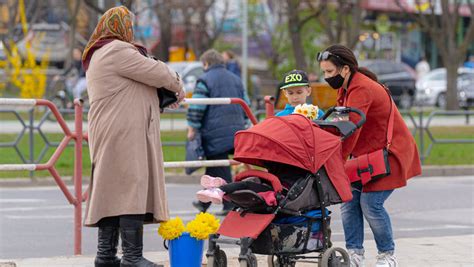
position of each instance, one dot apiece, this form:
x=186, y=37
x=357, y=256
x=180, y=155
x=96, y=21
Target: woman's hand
x=191, y=133
x=180, y=95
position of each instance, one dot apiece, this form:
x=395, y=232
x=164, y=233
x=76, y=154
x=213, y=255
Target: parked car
x=189, y=71
x=398, y=77
x=3, y=55
x=431, y=88
x=50, y=39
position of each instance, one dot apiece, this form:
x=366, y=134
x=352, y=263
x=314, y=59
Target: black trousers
x=123, y=221
x=223, y=172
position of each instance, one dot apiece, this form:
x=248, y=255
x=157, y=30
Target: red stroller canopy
x=292, y=140
x=296, y=141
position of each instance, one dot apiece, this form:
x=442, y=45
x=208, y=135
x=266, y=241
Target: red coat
x=372, y=99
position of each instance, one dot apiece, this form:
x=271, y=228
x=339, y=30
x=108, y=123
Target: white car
x=431, y=88
x=189, y=71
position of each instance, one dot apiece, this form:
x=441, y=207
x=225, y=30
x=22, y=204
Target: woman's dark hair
x=347, y=57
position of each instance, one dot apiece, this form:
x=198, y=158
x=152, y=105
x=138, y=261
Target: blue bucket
x=186, y=251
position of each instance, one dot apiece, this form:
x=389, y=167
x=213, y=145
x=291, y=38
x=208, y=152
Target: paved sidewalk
x=446, y=251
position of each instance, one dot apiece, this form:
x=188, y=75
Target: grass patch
x=449, y=154
x=441, y=154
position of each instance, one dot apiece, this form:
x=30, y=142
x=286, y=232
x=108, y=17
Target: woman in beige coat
x=127, y=186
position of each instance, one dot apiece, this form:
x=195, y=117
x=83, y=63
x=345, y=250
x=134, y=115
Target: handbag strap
x=390, y=118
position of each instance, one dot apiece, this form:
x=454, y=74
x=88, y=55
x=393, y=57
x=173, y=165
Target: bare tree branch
x=315, y=14
x=219, y=27
x=91, y=4
x=127, y=3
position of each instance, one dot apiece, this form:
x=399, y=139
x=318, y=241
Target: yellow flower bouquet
x=308, y=110
x=203, y=225
x=187, y=240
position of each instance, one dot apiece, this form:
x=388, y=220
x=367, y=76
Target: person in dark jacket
x=358, y=88
x=231, y=63
x=217, y=124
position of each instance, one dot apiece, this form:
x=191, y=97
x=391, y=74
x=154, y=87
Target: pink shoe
x=213, y=195
x=212, y=182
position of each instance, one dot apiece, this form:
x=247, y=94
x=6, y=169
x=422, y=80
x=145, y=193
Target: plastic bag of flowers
x=186, y=244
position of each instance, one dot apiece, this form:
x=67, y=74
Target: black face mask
x=335, y=81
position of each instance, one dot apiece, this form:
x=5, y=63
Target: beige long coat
x=124, y=133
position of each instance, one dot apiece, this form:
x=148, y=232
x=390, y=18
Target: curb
x=447, y=170
x=173, y=178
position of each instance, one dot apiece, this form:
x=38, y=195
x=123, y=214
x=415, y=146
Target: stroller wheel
x=275, y=261
x=335, y=257
x=250, y=261
x=218, y=260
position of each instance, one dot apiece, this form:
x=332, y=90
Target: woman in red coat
x=358, y=88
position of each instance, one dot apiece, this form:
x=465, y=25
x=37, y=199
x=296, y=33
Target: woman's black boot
x=107, y=247
x=131, y=232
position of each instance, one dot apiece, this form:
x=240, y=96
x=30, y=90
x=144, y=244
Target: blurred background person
x=422, y=67
x=470, y=62
x=231, y=63
x=217, y=124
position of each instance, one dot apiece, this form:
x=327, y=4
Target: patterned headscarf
x=115, y=24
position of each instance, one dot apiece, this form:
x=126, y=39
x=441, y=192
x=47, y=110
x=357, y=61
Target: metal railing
x=78, y=136
x=419, y=123
x=31, y=127
x=424, y=128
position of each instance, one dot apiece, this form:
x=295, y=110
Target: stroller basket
x=290, y=238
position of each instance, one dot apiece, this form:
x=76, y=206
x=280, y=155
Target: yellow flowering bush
x=308, y=110
x=200, y=228
x=171, y=229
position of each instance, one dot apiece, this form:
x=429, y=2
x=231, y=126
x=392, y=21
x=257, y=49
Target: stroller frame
x=327, y=256
x=217, y=258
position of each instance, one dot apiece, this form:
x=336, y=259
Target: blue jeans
x=370, y=206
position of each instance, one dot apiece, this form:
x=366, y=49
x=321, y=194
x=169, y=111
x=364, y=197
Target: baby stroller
x=286, y=224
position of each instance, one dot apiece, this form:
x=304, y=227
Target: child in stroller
x=289, y=146
x=217, y=188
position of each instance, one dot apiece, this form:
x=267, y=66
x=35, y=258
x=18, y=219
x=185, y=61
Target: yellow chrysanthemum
x=171, y=229
x=202, y=226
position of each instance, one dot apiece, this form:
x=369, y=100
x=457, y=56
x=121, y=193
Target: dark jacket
x=233, y=67
x=221, y=122
x=372, y=99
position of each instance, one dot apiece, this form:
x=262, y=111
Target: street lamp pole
x=244, y=42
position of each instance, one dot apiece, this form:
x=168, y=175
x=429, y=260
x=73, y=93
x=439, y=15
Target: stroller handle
x=346, y=110
x=345, y=127
x=276, y=184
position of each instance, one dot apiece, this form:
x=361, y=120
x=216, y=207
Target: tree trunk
x=202, y=40
x=164, y=16
x=452, y=102
x=295, y=34
x=73, y=9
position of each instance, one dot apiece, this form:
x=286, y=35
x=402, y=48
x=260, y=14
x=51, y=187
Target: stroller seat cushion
x=250, y=200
